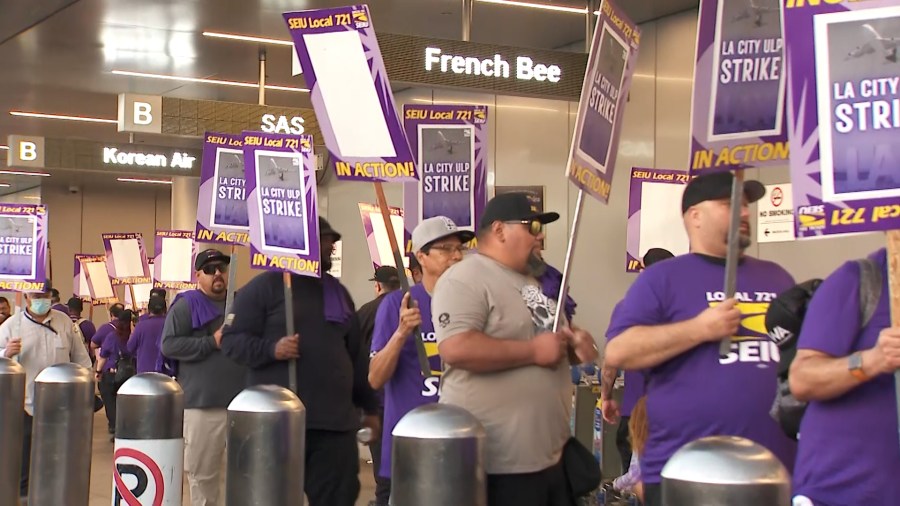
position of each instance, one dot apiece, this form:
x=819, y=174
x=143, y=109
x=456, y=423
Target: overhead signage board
x=71, y=154
x=191, y=118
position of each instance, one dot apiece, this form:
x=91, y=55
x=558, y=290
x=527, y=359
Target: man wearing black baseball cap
x=192, y=336
x=494, y=328
x=670, y=324
x=331, y=367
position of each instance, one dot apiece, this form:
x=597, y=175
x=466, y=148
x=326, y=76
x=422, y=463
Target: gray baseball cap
x=437, y=228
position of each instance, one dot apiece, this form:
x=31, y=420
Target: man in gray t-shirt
x=502, y=361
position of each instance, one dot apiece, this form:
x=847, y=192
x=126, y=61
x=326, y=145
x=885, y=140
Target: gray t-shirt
x=524, y=410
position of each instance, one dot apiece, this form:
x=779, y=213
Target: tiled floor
x=101, y=470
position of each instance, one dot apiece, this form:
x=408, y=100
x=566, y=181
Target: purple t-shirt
x=697, y=394
x=848, y=450
x=102, y=332
x=88, y=330
x=144, y=342
x=407, y=389
x=112, y=346
x=634, y=380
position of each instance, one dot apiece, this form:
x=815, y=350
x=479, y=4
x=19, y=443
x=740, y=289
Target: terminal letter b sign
x=140, y=113
x=26, y=151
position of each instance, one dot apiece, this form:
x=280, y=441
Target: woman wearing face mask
x=113, y=351
x=38, y=337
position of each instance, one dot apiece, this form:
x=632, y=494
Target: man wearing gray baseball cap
x=438, y=244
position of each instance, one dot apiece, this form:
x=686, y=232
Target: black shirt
x=333, y=368
x=366, y=315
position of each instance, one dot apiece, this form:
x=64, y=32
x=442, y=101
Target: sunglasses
x=534, y=226
x=210, y=269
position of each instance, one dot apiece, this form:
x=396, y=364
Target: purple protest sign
x=126, y=258
x=449, y=143
x=173, y=265
x=23, y=247
x=654, y=214
x=737, y=112
x=611, y=63
x=843, y=92
x=350, y=93
x=376, y=233
x=96, y=276
x=222, y=204
x=281, y=203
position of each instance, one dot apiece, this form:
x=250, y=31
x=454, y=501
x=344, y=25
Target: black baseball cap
x=210, y=255
x=654, y=255
x=326, y=230
x=717, y=186
x=386, y=274
x=513, y=206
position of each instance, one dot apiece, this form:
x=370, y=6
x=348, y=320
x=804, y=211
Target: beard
x=744, y=240
x=326, y=263
x=536, y=265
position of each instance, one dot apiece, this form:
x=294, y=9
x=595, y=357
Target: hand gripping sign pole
x=422, y=355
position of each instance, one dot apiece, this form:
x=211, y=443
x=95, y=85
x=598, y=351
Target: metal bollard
x=438, y=458
x=61, y=437
x=722, y=470
x=266, y=448
x=149, y=441
x=12, y=403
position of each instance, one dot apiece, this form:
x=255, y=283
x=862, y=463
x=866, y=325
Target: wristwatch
x=856, y=367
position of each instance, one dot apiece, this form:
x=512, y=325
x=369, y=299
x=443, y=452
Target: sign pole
x=422, y=355
x=734, y=250
x=893, y=257
x=567, y=266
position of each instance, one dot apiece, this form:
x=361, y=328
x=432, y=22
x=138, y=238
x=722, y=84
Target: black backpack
x=784, y=319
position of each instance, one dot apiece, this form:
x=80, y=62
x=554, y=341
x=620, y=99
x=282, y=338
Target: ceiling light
x=4, y=147
x=61, y=116
x=248, y=38
x=205, y=81
x=4, y=185
x=21, y=173
x=138, y=180
x=546, y=7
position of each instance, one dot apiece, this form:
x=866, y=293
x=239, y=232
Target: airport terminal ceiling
x=58, y=55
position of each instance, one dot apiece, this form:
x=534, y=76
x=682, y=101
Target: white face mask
x=39, y=306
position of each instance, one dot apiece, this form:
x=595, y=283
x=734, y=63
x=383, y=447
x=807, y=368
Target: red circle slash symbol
x=777, y=196
x=151, y=466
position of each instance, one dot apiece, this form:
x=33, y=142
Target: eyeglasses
x=450, y=248
x=534, y=226
x=210, y=269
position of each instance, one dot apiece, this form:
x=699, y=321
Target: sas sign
x=275, y=124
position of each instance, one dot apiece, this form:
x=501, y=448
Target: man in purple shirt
x=670, y=324
x=147, y=334
x=115, y=311
x=394, y=365
x=848, y=452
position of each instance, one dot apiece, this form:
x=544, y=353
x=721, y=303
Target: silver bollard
x=438, y=458
x=12, y=404
x=266, y=448
x=725, y=470
x=61, y=437
x=149, y=441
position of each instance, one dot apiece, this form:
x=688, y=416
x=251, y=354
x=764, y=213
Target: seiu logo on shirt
x=752, y=344
x=431, y=386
